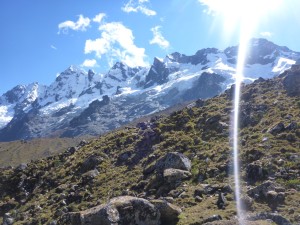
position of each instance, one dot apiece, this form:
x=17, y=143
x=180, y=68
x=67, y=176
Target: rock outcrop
x=125, y=210
x=291, y=81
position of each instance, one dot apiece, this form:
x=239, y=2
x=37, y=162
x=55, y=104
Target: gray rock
x=221, y=201
x=90, y=175
x=247, y=202
x=72, y=150
x=21, y=167
x=212, y=218
x=198, y=198
x=168, y=212
x=278, y=219
x=291, y=81
x=278, y=128
x=292, y=126
x=53, y=222
x=121, y=210
x=169, y=180
x=268, y=192
x=173, y=160
x=227, y=189
x=8, y=219
x=90, y=163
x=174, y=176
x=255, y=172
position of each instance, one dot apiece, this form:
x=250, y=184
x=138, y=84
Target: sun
x=242, y=16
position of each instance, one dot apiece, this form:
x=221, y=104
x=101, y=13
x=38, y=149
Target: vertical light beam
x=241, y=60
x=237, y=93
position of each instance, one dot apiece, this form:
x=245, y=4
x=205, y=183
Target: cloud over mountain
x=117, y=43
x=158, y=38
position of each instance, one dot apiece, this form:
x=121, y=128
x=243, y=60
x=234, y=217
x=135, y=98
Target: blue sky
x=41, y=38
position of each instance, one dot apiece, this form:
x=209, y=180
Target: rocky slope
x=173, y=169
x=80, y=103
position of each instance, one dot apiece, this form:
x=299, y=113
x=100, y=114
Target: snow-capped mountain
x=80, y=102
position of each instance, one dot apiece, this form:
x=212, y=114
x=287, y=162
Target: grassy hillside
x=17, y=152
x=123, y=163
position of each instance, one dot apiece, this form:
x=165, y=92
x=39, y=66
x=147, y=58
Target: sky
x=41, y=38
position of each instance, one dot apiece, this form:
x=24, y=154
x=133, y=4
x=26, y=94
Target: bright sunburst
x=241, y=16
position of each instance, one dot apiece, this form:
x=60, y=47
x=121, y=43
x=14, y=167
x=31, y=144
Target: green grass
x=185, y=130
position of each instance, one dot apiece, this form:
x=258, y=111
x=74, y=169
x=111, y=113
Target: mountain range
x=85, y=103
x=174, y=169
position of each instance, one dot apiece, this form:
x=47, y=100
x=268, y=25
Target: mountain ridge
x=177, y=168
x=132, y=92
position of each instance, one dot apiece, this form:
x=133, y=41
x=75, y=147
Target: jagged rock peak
x=262, y=42
x=119, y=65
x=207, y=51
x=72, y=70
x=91, y=74
x=157, y=61
x=19, y=92
x=175, y=56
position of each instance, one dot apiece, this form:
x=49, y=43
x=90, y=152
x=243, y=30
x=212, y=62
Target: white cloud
x=266, y=34
x=138, y=6
x=117, y=44
x=53, y=47
x=158, y=38
x=80, y=25
x=89, y=63
x=98, y=18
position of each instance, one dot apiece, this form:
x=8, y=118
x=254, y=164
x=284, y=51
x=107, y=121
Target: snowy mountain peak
x=69, y=72
x=18, y=99
x=119, y=65
x=76, y=95
x=19, y=93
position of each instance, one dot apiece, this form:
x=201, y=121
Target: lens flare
x=242, y=16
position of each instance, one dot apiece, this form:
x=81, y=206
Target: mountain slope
x=16, y=152
x=182, y=160
x=73, y=104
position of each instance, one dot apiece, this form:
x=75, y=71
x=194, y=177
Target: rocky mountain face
x=175, y=169
x=84, y=103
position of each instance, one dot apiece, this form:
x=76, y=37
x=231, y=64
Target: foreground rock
x=268, y=192
x=125, y=210
x=278, y=219
x=168, y=212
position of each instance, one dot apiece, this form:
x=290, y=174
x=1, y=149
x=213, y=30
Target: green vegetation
x=64, y=182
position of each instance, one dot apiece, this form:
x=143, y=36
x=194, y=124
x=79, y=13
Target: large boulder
x=124, y=210
x=269, y=192
x=255, y=172
x=168, y=212
x=277, y=218
x=173, y=160
x=172, y=176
